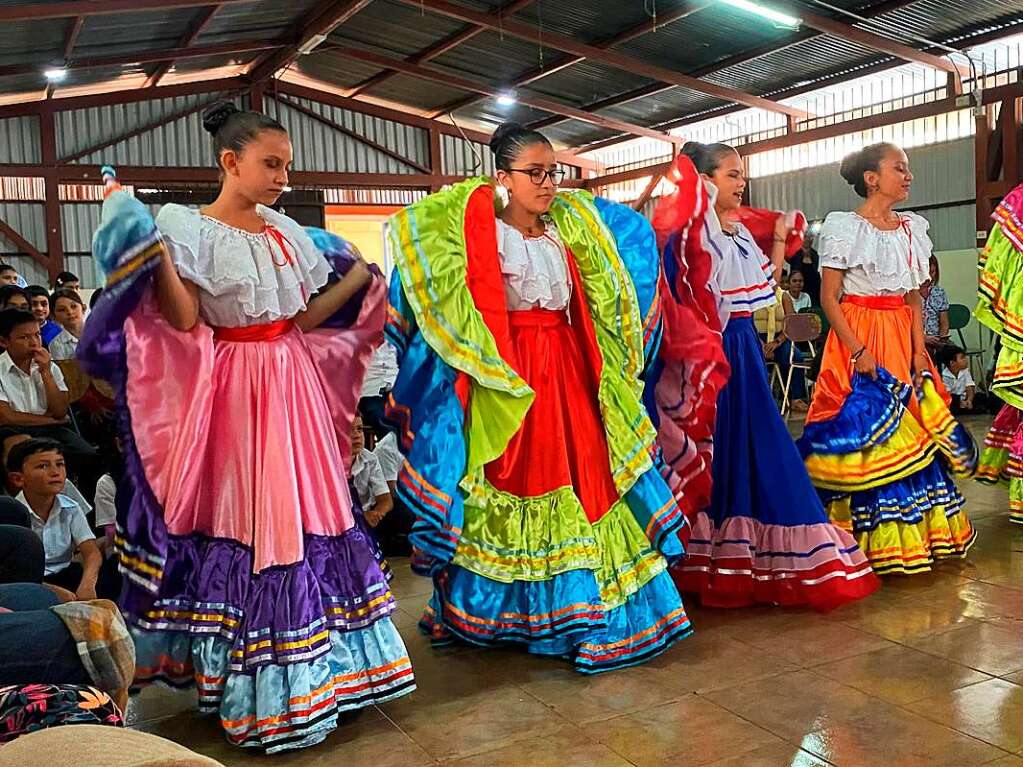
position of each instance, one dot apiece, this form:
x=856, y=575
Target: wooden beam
x=145, y=128
x=984, y=170
x=648, y=192
x=313, y=114
x=10, y=234
x=870, y=122
x=741, y=57
x=629, y=64
x=147, y=57
x=71, y=37
x=124, y=96
x=441, y=47
x=191, y=34
x=538, y=73
x=324, y=18
x=408, y=118
x=184, y=176
x=877, y=42
x=548, y=105
x=65, y=10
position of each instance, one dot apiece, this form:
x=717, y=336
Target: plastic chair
x=958, y=318
x=801, y=328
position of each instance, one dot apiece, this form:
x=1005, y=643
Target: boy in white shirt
x=956, y=376
x=37, y=468
x=368, y=478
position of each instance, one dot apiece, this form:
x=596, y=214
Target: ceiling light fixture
x=55, y=75
x=507, y=100
x=781, y=19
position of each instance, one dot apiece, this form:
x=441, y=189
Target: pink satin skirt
x=239, y=441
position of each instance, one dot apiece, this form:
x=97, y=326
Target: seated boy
x=33, y=395
x=368, y=478
x=39, y=300
x=37, y=468
x=956, y=376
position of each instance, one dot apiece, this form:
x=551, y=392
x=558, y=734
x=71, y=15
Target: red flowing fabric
x=561, y=442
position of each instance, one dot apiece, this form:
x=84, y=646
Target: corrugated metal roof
x=320, y=147
x=400, y=29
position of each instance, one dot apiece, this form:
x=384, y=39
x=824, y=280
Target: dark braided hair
x=706, y=157
x=509, y=141
x=232, y=128
x=856, y=164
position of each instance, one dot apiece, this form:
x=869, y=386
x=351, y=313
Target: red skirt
x=561, y=441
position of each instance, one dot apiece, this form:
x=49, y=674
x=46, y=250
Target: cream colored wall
x=366, y=233
x=959, y=277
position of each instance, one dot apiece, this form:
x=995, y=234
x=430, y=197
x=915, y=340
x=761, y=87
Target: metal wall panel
x=20, y=141
x=33, y=272
x=943, y=174
x=953, y=228
x=461, y=157
x=28, y=219
x=181, y=143
x=78, y=222
x=318, y=147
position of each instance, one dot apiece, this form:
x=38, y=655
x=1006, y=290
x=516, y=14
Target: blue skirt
x=765, y=537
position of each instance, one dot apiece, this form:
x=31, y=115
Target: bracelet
x=780, y=240
x=856, y=355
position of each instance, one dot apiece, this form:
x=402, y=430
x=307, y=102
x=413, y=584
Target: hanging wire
x=471, y=144
x=539, y=29
x=896, y=33
x=650, y=7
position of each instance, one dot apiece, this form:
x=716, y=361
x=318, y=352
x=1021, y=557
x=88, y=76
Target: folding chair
x=803, y=328
x=959, y=318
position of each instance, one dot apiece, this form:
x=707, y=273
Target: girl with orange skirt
x=880, y=443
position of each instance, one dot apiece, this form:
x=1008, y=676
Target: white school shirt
x=25, y=392
x=62, y=533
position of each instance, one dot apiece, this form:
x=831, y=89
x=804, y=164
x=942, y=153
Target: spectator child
x=37, y=468
x=14, y=297
x=368, y=478
x=69, y=311
x=955, y=373
x=39, y=302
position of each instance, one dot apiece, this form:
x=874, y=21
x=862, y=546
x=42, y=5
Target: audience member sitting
x=69, y=311
x=8, y=275
x=393, y=531
x=795, y=299
x=22, y=559
x=13, y=297
x=39, y=301
x=67, y=280
x=33, y=395
x=368, y=478
x=64, y=663
x=37, y=467
x=955, y=373
x=935, y=306
x=809, y=263
x=8, y=439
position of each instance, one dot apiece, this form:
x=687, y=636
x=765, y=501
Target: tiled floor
x=928, y=672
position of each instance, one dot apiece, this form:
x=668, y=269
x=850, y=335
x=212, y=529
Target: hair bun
x=851, y=168
x=214, y=118
x=504, y=130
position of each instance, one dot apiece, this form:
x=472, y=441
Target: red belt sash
x=875, y=302
x=267, y=332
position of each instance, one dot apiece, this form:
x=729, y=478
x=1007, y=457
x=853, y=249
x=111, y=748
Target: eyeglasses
x=539, y=175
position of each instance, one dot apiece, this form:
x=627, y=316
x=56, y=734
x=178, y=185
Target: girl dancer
x=1000, y=307
x=543, y=517
x=243, y=569
x=764, y=537
x=879, y=423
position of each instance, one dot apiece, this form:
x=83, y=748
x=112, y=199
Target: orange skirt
x=885, y=325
